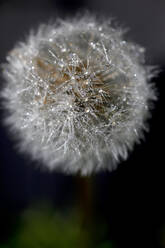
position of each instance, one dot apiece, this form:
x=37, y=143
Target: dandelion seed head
x=77, y=95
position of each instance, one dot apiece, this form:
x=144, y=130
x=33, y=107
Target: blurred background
x=124, y=208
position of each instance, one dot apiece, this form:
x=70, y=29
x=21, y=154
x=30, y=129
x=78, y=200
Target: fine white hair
x=77, y=95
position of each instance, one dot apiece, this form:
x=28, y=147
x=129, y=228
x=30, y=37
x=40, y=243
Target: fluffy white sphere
x=78, y=95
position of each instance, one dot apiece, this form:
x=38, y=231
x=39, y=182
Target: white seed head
x=77, y=94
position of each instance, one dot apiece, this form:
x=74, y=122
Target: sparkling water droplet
x=93, y=45
x=61, y=64
x=87, y=110
x=72, y=77
x=113, y=107
x=123, y=42
x=63, y=50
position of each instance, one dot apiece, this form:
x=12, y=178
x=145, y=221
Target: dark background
x=130, y=198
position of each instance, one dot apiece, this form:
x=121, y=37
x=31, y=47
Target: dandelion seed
x=79, y=100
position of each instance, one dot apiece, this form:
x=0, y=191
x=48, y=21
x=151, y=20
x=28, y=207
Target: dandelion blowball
x=77, y=95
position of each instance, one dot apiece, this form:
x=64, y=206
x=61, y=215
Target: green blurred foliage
x=43, y=227
x=106, y=244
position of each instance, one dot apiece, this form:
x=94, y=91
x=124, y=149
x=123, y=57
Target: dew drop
x=87, y=110
x=63, y=50
x=93, y=45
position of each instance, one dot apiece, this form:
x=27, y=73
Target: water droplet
x=63, y=50
x=123, y=42
x=93, y=45
x=61, y=64
x=135, y=131
x=87, y=110
x=72, y=77
x=86, y=82
x=113, y=107
x=141, y=50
